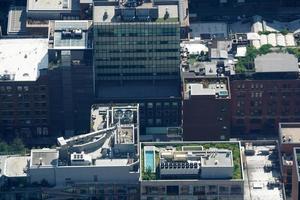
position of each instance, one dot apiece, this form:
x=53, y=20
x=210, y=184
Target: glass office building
x=137, y=58
x=137, y=51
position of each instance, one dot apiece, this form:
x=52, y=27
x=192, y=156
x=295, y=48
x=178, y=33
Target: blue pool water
x=149, y=160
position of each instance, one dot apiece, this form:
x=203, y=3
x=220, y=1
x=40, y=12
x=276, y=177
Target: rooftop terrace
x=289, y=133
x=197, y=86
x=183, y=160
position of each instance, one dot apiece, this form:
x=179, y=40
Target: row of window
x=21, y=88
x=192, y=190
x=128, y=43
x=125, y=51
x=135, y=58
x=261, y=85
x=28, y=122
x=137, y=32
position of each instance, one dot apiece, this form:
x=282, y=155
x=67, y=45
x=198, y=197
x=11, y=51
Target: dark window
x=172, y=190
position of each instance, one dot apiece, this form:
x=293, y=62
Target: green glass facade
x=136, y=51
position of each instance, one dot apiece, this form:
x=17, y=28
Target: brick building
x=206, y=108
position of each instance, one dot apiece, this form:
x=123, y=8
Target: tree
x=17, y=145
x=3, y=147
x=265, y=49
x=149, y=175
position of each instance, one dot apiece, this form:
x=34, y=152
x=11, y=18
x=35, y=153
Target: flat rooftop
x=115, y=12
x=17, y=20
x=16, y=166
x=289, y=133
x=276, y=62
x=72, y=34
x=219, y=29
x=49, y=5
x=44, y=157
x=104, y=116
x=212, y=155
x=21, y=59
x=257, y=179
x=223, y=157
x=198, y=86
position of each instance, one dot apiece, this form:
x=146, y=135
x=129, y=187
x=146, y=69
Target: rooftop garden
x=283, y=32
x=15, y=147
x=234, y=147
x=246, y=64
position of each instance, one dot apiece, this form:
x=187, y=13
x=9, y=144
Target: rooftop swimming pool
x=149, y=161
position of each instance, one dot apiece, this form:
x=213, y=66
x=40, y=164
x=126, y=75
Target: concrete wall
x=38, y=174
x=216, y=172
x=80, y=174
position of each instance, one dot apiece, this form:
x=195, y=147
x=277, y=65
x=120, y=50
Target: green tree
x=17, y=145
x=3, y=147
x=265, y=49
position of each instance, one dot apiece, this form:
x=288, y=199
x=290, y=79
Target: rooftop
x=49, y=5
x=136, y=11
x=21, y=59
x=217, y=29
x=111, y=142
x=16, y=166
x=16, y=20
x=103, y=116
x=194, y=47
x=276, y=62
x=183, y=160
x=44, y=157
x=289, y=133
x=262, y=174
x=221, y=157
x=72, y=34
x=197, y=86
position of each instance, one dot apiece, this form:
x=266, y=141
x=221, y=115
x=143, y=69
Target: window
x=199, y=190
x=8, y=88
x=150, y=121
x=236, y=189
x=172, y=190
x=212, y=189
x=223, y=190
x=184, y=189
x=150, y=105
